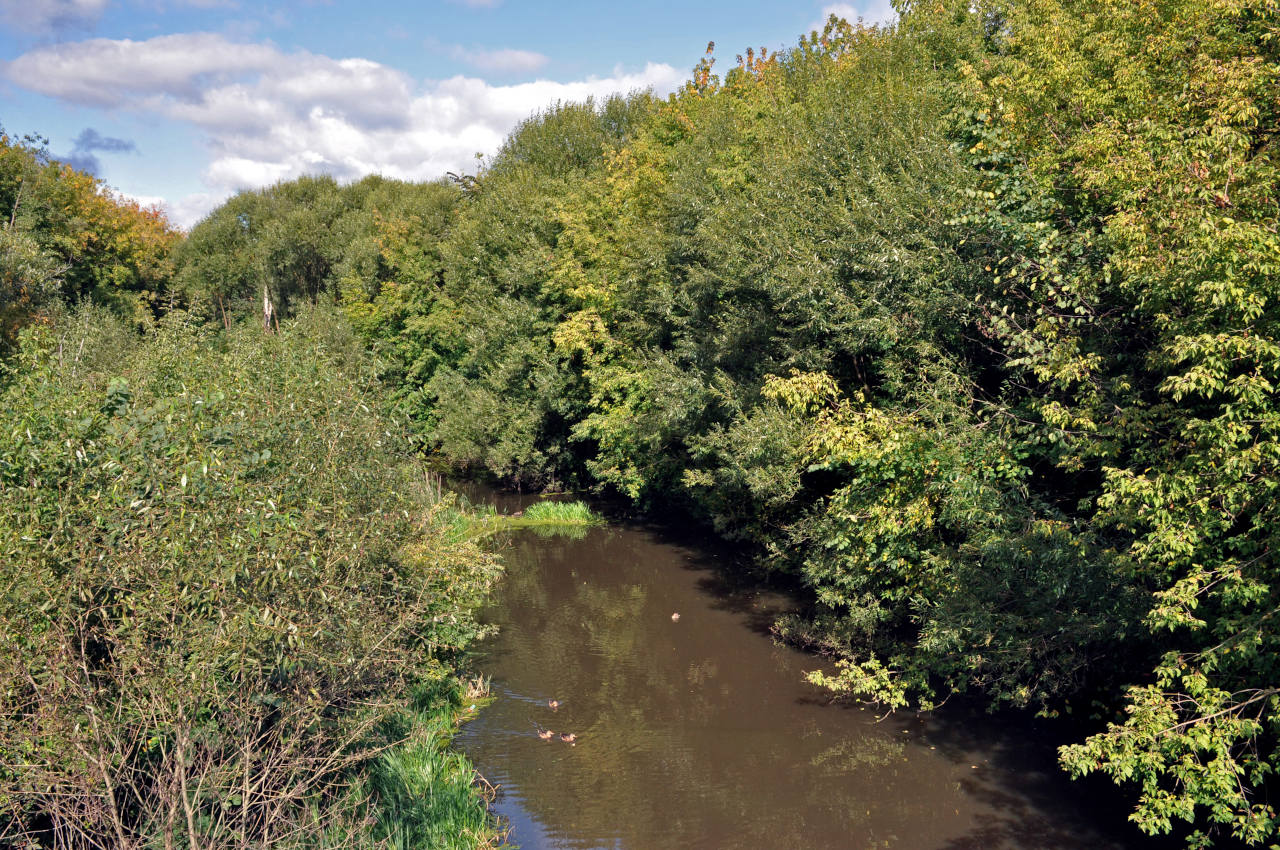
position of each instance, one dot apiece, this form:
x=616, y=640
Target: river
x=698, y=731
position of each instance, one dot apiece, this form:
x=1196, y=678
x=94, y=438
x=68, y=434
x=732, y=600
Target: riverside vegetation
x=968, y=323
x=232, y=610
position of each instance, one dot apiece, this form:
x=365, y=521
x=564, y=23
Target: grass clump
x=546, y=519
x=421, y=792
x=558, y=513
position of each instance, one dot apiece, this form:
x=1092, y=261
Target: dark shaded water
x=701, y=733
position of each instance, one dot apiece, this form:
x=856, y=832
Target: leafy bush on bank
x=221, y=577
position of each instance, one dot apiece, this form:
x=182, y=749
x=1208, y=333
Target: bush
x=220, y=579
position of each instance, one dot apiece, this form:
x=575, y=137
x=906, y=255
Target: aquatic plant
x=546, y=519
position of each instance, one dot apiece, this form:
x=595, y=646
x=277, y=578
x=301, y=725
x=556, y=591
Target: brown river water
x=700, y=732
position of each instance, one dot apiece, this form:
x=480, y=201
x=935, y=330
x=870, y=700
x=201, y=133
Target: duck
x=553, y=704
x=568, y=737
x=546, y=734
x=675, y=617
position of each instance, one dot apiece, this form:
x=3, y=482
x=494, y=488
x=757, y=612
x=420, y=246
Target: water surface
x=699, y=732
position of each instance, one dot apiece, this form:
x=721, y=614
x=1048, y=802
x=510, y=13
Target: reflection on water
x=699, y=731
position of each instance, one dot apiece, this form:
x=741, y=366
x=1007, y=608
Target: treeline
x=970, y=323
x=233, y=604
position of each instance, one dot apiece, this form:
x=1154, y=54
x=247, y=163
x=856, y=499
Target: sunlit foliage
x=1128, y=153
x=65, y=236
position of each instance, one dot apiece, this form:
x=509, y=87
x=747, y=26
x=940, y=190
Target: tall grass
x=424, y=794
x=558, y=513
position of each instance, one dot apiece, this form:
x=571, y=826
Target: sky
x=182, y=103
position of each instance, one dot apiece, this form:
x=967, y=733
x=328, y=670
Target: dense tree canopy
x=969, y=323
x=1137, y=299
x=233, y=607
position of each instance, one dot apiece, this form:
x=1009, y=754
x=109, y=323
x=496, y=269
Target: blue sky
x=183, y=102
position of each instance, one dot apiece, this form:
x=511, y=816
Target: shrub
x=219, y=580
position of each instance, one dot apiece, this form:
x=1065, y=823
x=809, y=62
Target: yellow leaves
x=636, y=175
x=803, y=392
x=1059, y=415
x=581, y=264
x=621, y=168
x=583, y=332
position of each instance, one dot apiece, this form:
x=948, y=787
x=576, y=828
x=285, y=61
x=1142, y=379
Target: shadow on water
x=1028, y=800
x=699, y=731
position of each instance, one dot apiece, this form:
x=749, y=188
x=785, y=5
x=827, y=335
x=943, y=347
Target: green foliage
x=221, y=578
x=507, y=397
x=562, y=513
x=552, y=519
x=283, y=238
x=369, y=245
x=64, y=236
x=1129, y=191
x=421, y=793
x=545, y=519
x=30, y=280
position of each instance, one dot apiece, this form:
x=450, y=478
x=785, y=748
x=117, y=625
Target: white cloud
x=506, y=60
x=185, y=211
x=42, y=16
x=106, y=72
x=144, y=201
x=870, y=11
x=268, y=115
x=188, y=210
